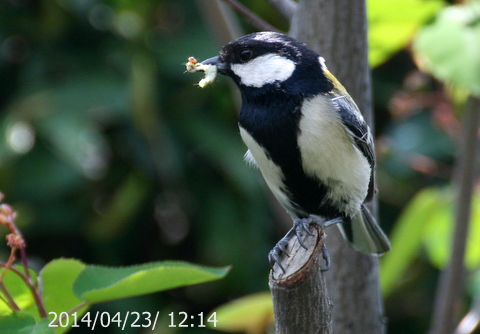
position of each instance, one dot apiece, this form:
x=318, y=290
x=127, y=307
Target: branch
x=285, y=7
x=300, y=300
x=257, y=21
x=450, y=288
x=221, y=19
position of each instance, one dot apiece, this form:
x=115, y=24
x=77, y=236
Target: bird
x=307, y=137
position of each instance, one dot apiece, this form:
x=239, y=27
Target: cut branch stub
x=300, y=299
x=299, y=260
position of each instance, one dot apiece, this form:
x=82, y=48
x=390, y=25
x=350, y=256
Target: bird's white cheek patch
x=264, y=70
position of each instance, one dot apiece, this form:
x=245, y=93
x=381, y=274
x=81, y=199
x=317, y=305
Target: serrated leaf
x=250, y=314
x=456, y=59
x=97, y=284
x=393, y=23
x=57, y=279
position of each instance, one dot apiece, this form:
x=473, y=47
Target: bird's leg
x=300, y=227
x=326, y=223
x=323, y=225
x=303, y=224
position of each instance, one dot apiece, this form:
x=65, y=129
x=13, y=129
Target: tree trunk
x=338, y=31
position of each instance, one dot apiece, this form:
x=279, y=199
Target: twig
x=10, y=301
x=16, y=242
x=285, y=7
x=72, y=311
x=221, y=19
x=251, y=16
x=451, y=285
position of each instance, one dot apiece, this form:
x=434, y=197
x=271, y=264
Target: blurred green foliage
x=456, y=60
x=393, y=23
x=111, y=154
x=434, y=207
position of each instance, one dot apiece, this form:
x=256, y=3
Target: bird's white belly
x=271, y=172
x=329, y=154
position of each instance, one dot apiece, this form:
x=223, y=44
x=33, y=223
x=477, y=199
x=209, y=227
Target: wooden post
x=300, y=299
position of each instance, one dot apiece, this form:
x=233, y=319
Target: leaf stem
x=73, y=310
x=9, y=299
x=16, y=242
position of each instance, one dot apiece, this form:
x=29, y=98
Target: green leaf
x=448, y=48
x=438, y=233
x=428, y=221
x=473, y=244
x=250, y=314
x=22, y=323
x=393, y=23
x=97, y=284
x=406, y=238
x=18, y=289
x=57, y=278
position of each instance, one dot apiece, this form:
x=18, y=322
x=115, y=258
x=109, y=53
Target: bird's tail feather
x=364, y=234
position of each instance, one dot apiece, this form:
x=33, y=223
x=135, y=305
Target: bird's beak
x=216, y=61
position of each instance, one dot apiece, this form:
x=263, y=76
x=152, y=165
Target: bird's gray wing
x=360, y=132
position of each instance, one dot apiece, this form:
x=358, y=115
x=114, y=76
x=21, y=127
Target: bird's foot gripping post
x=284, y=249
x=297, y=280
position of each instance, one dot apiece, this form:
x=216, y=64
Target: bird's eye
x=245, y=55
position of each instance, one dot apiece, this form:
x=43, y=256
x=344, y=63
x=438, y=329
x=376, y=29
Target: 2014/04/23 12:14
x=185, y=319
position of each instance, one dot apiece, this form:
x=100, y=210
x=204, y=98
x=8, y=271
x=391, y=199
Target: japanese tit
x=305, y=134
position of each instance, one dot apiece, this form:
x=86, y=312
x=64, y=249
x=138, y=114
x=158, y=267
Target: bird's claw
x=326, y=257
x=280, y=247
x=301, y=226
x=274, y=257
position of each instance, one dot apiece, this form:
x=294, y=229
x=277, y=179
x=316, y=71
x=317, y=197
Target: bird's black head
x=266, y=61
